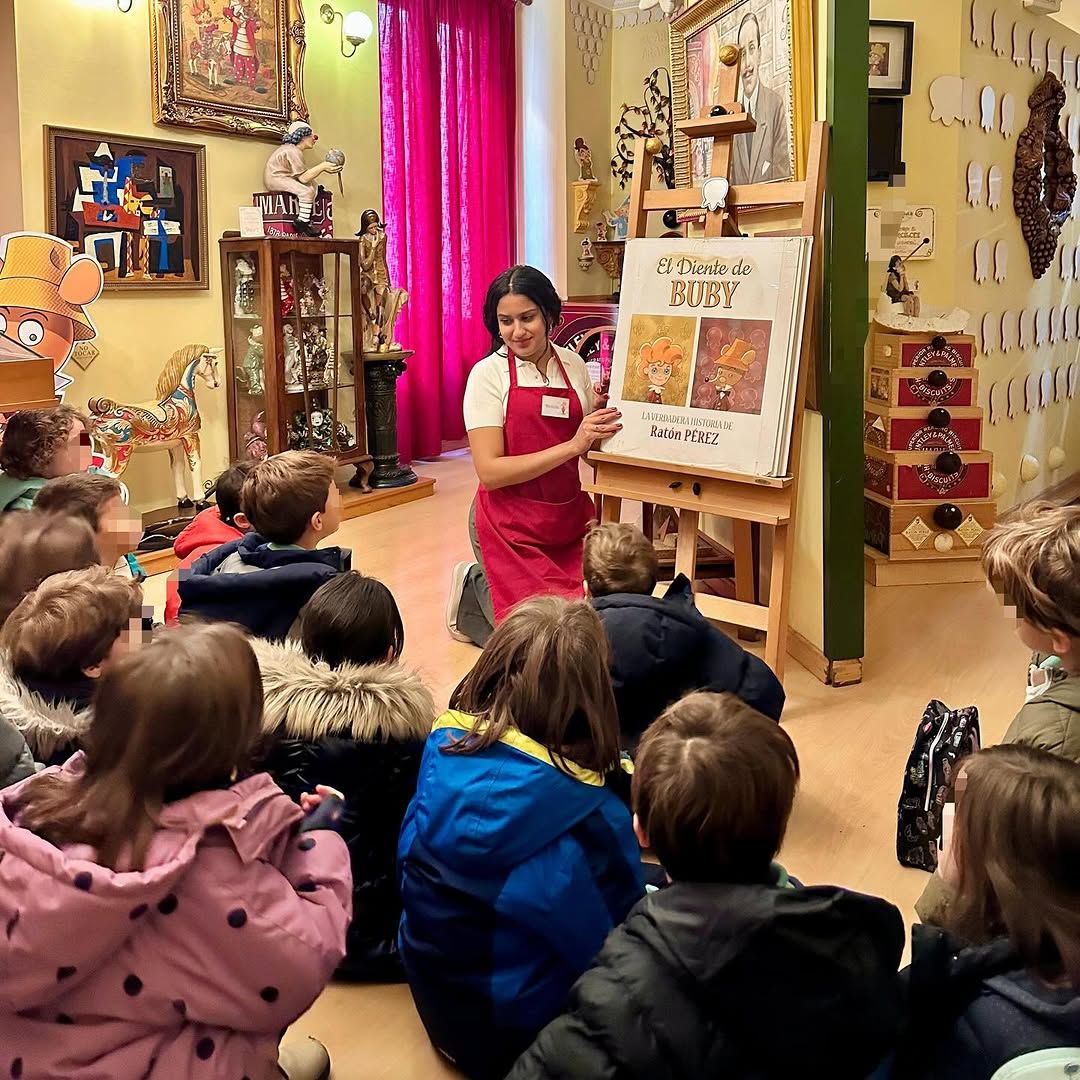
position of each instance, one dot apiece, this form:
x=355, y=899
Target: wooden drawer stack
x=926, y=478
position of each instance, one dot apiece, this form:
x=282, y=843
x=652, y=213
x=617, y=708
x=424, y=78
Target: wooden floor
x=950, y=642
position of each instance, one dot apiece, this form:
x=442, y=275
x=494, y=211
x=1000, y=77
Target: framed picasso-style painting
x=228, y=65
x=776, y=84
x=136, y=205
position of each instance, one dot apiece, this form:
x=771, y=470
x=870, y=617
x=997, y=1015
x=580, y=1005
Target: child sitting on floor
x=341, y=710
x=99, y=501
x=37, y=445
x=1033, y=563
x=663, y=648
x=516, y=858
x=263, y=580
x=1002, y=983
x=725, y=973
x=214, y=526
x=167, y=916
x=56, y=645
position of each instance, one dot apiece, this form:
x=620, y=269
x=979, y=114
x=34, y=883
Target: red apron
x=531, y=535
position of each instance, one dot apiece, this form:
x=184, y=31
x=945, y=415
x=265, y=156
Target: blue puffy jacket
x=512, y=875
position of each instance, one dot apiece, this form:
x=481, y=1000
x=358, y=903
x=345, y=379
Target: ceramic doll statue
x=244, y=292
x=584, y=160
x=294, y=372
x=381, y=301
x=286, y=170
x=250, y=373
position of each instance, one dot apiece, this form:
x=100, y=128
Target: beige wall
x=11, y=216
x=97, y=76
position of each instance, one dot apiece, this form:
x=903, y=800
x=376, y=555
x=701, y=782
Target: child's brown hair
x=228, y=490
x=34, y=545
x=32, y=437
x=282, y=494
x=1016, y=848
x=544, y=672
x=619, y=558
x=1033, y=562
x=179, y=715
x=80, y=495
x=714, y=783
x=69, y=622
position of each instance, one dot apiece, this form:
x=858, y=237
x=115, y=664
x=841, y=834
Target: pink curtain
x=449, y=86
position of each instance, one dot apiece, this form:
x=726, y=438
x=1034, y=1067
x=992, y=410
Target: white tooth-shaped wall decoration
x=1074, y=132
x=1029, y=468
x=1074, y=377
x=1068, y=63
x=1031, y=392
x=991, y=333
x=1019, y=45
x=975, y=183
x=1057, y=325
x=993, y=187
x=1012, y=398
x=1076, y=255
x=1046, y=389
x=1066, y=262
x=1042, y=326
x=947, y=99
x=997, y=30
x=980, y=23
x=1053, y=58
x=1001, y=260
x=1010, y=331
x=1061, y=383
x=987, y=108
x=982, y=259
x=1027, y=328
x=994, y=402
x=1072, y=322
x=1008, y=115
x=1037, y=51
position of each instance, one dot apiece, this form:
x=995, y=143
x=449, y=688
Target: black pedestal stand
x=381, y=372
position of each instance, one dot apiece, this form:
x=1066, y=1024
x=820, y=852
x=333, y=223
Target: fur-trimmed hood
x=48, y=727
x=308, y=700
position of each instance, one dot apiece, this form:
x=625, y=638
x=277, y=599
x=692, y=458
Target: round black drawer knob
x=948, y=516
x=938, y=342
x=671, y=219
x=937, y=379
x=718, y=110
x=948, y=463
x=938, y=418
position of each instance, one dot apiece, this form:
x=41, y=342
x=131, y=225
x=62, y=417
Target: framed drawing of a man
x=775, y=85
x=228, y=65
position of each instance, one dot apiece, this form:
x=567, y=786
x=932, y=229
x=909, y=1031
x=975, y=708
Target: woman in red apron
x=531, y=412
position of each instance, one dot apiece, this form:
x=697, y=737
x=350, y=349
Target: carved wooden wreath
x=1044, y=183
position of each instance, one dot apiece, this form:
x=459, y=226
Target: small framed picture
x=889, y=70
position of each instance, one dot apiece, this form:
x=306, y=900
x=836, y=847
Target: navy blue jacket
x=664, y=648
x=512, y=874
x=973, y=1009
x=268, y=596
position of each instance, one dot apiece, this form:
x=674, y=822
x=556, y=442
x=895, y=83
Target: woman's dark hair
x=351, y=619
x=544, y=672
x=521, y=281
x=894, y=261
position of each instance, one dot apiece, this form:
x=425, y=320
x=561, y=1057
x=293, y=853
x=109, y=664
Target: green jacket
x=1051, y=718
x=16, y=494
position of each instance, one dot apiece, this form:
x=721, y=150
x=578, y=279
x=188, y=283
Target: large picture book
x=707, y=351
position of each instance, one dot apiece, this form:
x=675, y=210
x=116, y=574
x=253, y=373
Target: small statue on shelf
x=294, y=370
x=313, y=295
x=319, y=354
x=601, y=232
x=896, y=283
x=250, y=372
x=255, y=438
x=380, y=301
x=326, y=434
x=288, y=292
x=584, y=160
x=286, y=170
x=244, y=293
x=587, y=256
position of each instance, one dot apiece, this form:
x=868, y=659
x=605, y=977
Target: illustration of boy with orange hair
x=659, y=359
x=731, y=367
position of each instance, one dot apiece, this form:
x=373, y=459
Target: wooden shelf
x=704, y=127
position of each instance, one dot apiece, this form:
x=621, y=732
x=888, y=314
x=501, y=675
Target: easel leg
x=686, y=545
x=611, y=509
x=779, y=594
x=745, y=571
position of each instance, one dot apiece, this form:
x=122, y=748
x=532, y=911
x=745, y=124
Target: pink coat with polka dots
x=190, y=968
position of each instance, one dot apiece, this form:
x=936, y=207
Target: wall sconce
x=356, y=27
x=124, y=5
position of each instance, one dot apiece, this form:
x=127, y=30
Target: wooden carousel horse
x=172, y=422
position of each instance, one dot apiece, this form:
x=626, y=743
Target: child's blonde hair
x=1033, y=561
x=619, y=558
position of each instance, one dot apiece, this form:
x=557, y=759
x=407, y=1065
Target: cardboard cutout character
x=44, y=292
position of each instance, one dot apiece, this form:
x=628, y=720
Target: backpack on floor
x=945, y=737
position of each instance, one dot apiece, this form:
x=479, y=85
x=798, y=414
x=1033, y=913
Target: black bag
x=945, y=737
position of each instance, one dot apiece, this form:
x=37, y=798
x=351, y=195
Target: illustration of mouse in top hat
x=45, y=289
x=731, y=367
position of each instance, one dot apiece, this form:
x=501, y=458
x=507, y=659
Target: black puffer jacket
x=972, y=1009
x=360, y=729
x=663, y=648
x=745, y=982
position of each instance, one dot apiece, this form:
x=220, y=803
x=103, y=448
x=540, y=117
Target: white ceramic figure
x=987, y=106
x=1008, y=115
x=982, y=259
x=947, y=99
x=975, y=183
x=993, y=187
x=1001, y=260
x=1010, y=331
x=244, y=299
x=1042, y=326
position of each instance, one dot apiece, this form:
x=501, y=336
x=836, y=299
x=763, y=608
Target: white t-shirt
x=488, y=388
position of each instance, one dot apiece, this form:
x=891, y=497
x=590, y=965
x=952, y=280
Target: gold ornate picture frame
x=233, y=66
x=782, y=66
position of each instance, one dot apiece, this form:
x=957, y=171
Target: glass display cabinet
x=293, y=349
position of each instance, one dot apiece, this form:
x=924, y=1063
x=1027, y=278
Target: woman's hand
x=600, y=395
x=597, y=425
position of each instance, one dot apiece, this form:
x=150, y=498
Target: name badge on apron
x=558, y=407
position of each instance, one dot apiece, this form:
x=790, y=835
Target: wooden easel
x=693, y=491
